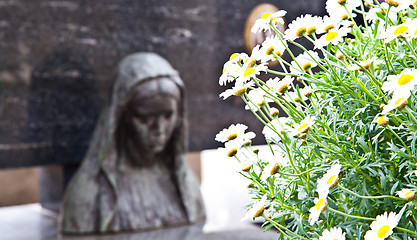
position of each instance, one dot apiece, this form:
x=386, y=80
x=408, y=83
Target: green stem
x=402, y=142
x=280, y=227
x=350, y=216
x=368, y=197
x=406, y=230
x=281, y=73
x=411, y=114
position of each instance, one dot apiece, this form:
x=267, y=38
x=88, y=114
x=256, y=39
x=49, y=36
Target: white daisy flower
x=306, y=91
x=393, y=32
x=247, y=72
x=333, y=36
x=412, y=31
x=256, y=99
x=229, y=74
x=230, y=133
x=238, y=89
x=329, y=179
x=297, y=28
x=399, y=5
x=372, y=16
x=407, y=194
x=231, y=148
x=328, y=23
x=271, y=130
x=273, y=112
x=262, y=24
x=257, y=208
x=382, y=227
x=237, y=57
x=271, y=47
x=312, y=23
x=340, y=9
x=398, y=101
x=335, y=233
x=367, y=64
x=293, y=96
x=401, y=83
x=279, y=86
x=246, y=165
x=270, y=169
x=319, y=207
x=303, y=126
x=307, y=60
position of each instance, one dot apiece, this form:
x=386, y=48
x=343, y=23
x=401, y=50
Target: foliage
x=346, y=152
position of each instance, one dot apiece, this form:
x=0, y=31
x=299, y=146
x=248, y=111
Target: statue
x=133, y=176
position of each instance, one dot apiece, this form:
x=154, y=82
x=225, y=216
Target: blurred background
x=56, y=71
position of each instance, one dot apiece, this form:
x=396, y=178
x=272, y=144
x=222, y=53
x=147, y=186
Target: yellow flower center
x=232, y=136
x=301, y=31
x=240, y=91
x=415, y=33
x=278, y=53
x=259, y=212
x=341, y=2
x=344, y=17
x=311, y=30
x=398, y=100
x=234, y=55
x=408, y=193
x=400, y=29
x=261, y=103
x=328, y=27
x=331, y=35
x=302, y=127
x=382, y=120
x=400, y=103
x=232, y=152
x=274, y=169
x=319, y=204
x=269, y=50
x=306, y=66
x=246, y=167
x=330, y=180
x=383, y=231
x=366, y=65
x=297, y=99
x=250, y=61
x=248, y=71
x=404, y=79
x=266, y=15
x=392, y=3
x=283, y=88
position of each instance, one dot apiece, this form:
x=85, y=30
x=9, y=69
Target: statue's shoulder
x=80, y=203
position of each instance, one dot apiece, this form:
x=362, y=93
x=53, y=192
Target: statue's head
x=148, y=105
x=152, y=113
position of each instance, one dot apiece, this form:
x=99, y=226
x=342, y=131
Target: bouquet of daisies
x=342, y=152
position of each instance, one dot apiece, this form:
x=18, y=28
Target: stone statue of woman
x=133, y=176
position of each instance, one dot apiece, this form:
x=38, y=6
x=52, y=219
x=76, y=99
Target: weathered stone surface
x=58, y=58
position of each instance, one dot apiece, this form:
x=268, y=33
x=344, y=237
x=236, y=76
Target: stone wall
x=58, y=58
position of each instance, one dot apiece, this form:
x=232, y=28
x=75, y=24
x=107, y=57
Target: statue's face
x=153, y=121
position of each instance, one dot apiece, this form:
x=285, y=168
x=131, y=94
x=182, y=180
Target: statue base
x=32, y=222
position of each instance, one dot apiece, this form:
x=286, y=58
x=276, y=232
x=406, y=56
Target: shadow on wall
x=63, y=107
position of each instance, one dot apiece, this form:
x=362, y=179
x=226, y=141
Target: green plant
x=344, y=158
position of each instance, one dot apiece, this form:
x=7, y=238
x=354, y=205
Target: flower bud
x=392, y=3
x=382, y=120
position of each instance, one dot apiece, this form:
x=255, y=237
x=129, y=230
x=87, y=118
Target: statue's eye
x=168, y=114
x=141, y=117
